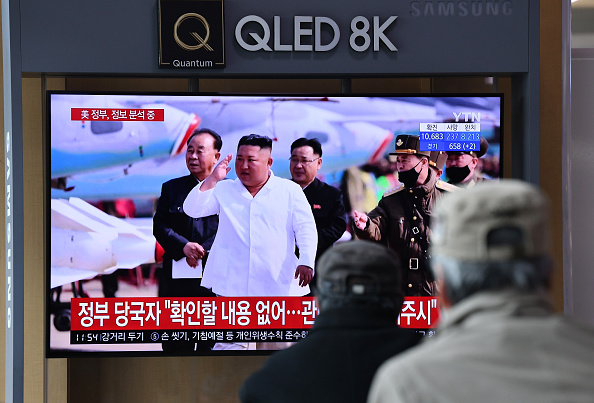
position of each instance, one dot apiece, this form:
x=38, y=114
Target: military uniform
x=471, y=183
x=401, y=221
x=484, y=146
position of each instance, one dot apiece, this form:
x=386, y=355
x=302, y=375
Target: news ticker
x=453, y=137
x=158, y=319
x=160, y=336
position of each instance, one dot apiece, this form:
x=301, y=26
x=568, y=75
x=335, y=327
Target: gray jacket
x=495, y=347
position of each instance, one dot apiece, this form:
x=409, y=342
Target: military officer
x=461, y=166
x=401, y=219
x=437, y=160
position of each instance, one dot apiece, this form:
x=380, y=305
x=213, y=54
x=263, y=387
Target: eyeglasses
x=304, y=162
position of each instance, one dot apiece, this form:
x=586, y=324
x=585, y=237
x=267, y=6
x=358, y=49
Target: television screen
x=109, y=156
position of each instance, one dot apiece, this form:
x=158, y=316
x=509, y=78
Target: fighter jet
x=84, y=242
x=89, y=141
x=346, y=141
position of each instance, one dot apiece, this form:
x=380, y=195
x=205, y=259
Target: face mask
x=457, y=174
x=410, y=177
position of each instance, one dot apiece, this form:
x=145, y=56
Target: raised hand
x=222, y=169
x=219, y=173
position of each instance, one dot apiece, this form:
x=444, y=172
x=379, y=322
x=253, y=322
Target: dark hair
x=313, y=143
x=218, y=142
x=255, y=140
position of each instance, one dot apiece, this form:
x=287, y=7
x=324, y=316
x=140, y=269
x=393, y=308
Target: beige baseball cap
x=493, y=221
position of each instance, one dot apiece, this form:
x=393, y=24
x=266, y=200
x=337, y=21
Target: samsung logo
x=468, y=8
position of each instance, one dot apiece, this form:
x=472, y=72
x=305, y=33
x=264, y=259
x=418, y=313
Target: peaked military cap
x=409, y=144
x=437, y=159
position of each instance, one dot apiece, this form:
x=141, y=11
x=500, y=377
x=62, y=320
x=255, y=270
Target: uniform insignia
x=393, y=190
x=317, y=206
x=448, y=187
x=399, y=142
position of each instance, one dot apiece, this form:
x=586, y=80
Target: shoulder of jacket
x=177, y=180
x=448, y=187
x=329, y=188
x=393, y=191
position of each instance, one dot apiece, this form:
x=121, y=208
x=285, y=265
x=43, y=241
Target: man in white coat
x=261, y=220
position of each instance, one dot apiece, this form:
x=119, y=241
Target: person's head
x=359, y=273
x=491, y=237
x=412, y=164
x=437, y=160
x=305, y=161
x=253, y=159
x=460, y=166
x=203, y=152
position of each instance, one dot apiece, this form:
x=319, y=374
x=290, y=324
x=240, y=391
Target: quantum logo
x=202, y=42
x=191, y=34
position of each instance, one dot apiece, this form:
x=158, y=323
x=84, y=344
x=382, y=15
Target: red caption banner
x=151, y=313
x=110, y=114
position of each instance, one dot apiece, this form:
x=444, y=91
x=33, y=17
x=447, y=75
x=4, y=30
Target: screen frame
x=66, y=353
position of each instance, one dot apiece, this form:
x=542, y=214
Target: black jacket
x=173, y=229
x=334, y=363
x=328, y=211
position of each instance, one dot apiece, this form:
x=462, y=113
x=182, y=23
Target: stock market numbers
x=459, y=136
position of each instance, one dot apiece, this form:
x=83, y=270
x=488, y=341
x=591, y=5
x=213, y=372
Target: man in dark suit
x=181, y=236
x=359, y=297
x=326, y=201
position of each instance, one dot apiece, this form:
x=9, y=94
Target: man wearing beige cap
x=499, y=340
x=401, y=219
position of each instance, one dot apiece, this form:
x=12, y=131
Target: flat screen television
x=110, y=153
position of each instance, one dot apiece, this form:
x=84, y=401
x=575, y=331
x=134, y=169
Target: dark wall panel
x=432, y=37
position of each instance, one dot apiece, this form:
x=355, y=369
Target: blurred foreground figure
x=359, y=296
x=498, y=340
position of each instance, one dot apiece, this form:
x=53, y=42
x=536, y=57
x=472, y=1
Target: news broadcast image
x=110, y=155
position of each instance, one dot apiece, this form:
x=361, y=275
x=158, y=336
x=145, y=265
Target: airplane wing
x=86, y=242
x=88, y=145
x=346, y=143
